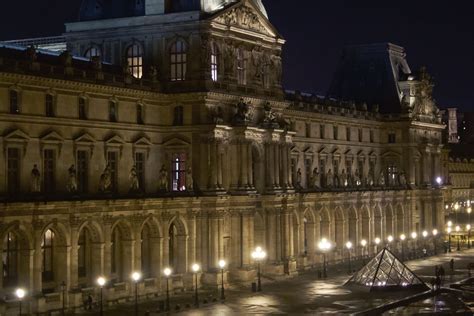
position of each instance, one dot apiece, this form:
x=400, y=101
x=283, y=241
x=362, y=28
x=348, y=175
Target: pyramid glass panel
x=385, y=270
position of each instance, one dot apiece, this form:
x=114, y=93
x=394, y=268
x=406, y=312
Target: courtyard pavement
x=303, y=294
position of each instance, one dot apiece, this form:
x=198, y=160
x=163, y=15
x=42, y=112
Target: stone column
x=38, y=263
x=203, y=222
x=247, y=237
x=212, y=167
x=235, y=239
x=73, y=284
x=278, y=235
x=244, y=181
x=26, y=261
x=250, y=165
x=270, y=169
x=107, y=249
x=191, y=220
x=285, y=233
x=427, y=167
x=97, y=263
x=277, y=165
x=128, y=256
x=156, y=256
x=271, y=240
x=288, y=166
x=219, y=166
x=214, y=241
x=284, y=171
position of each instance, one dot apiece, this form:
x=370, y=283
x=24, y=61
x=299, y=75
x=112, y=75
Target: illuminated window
x=178, y=170
x=14, y=103
x=135, y=60
x=178, y=61
x=47, y=249
x=214, y=61
x=10, y=260
x=49, y=105
x=241, y=69
x=92, y=52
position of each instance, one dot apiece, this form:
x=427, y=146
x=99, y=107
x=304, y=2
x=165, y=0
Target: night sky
x=435, y=34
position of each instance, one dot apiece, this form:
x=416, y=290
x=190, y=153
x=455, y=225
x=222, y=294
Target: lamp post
x=195, y=267
x=468, y=228
x=414, y=235
x=20, y=294
x=402, y=239
x=389, y=240
x=258, y=255
x=377, y=242
x=324, y=246
x=363, y=243
x=167, y=272
x=435, y=234
x=101, y=281
x=222, y=264
x=136, y=276
x=425, y=250
x=63, y=290
x=349, y=247
x=458, y=229
x=448, y=230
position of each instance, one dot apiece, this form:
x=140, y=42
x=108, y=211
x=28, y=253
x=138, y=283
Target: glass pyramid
x=385, y=271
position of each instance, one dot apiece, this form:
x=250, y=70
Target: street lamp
x=101, y=281
x=63, y=290
x=349, y=247
x=469, y=211
x=439, y=181
x=136, y=276
x=222, y=264
x=458, y=229
x=324, y=245
x=402, y=238
x=20, y=294
x=389, y=240
x=167, y=272
x=414, y=235
x=377, y=242
x=468, y=228
x=435, y=234
x=195, y=267
x=258, y=255
x=424, y=234
x=448, y=230
x=363, y=243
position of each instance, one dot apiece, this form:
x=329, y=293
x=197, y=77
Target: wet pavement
x=307, y=294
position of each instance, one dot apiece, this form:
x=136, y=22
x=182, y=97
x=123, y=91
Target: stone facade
x=108, y=169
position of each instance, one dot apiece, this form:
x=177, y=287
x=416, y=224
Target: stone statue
x=134, y=183
x=72, y=179
x=269, y=117
x=105, y=183
x=344, y=181
x=242, y=116
x=153, y=73
x=189, y=180
x=316, y=179
x=164, y=183
x=357, y=180
x=402, y=179
x=217, y=115
x=329, y=179
x=370, y=179
x=337, y=179
x=298, y=178
x=382, y=179
x=376, y=108
x=35, y=180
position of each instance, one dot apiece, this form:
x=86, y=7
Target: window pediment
x=52, y=139
x=84, y=141
x=142, y=144
x=16, y=138
x=114, y=143
x=176, y=142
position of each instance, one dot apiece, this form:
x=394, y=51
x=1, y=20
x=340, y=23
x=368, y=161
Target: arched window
x=135, y=60
x=241, y=69
x=178, y=118
x=47, y=249
x=178, y=61
x=92, y=52
x=10, y=260
x=145, y=249
x=214, y=61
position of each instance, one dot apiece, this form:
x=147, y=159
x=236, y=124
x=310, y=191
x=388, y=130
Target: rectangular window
x=308, y=164
x=140, y=169
x=372, y=169
x=178, y=172
x=322, y=166
x=82, y=171
x=241, y=68
x=371, y=136
x=361, y=135
x=14, y=107
x=49, y=105
x=308, y=130
x=348, y=134
x=112, y=160
x=82, y=109
x=49, y=175
x=392, y=138
x=349, y=167
x=336, y=132
x=113, y=111
x=360, y=167
x=139, y=114
x=322, y=131
x=13, y=172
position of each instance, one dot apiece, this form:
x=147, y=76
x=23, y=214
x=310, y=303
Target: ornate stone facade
x=179, y=161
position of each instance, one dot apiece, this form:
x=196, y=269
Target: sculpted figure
x=402, y=180
x=269, y=117
x=243, y=112
x=134, y=183
x=189, y=180
x=382, y=179
x=164, y=184
x=337, y=179
x=298, y=178
x=72, y=179
x=370, y=179
x=357, y=180
x=329, y=179
x=35, y=180
x=105, y=182
x=344, y=181
x=316, y=179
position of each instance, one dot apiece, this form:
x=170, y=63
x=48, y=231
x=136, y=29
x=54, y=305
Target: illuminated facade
x=163, y=138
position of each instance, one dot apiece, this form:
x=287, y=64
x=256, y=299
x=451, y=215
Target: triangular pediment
x=245, y=15
x=176, y=142
x=142, y=142
x=115, y=140
x=17, y=135
x=52, y=137
x=85, y=138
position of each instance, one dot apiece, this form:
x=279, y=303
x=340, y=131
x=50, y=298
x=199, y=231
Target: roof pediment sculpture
x=243, y=114
x=269, y=117
x=424, y=106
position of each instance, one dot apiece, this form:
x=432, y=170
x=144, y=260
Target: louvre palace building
x=161, y=136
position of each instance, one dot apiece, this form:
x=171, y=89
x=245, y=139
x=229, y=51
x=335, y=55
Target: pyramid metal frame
x=385, y=271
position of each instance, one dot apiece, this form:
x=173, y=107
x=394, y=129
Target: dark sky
x=435, y=34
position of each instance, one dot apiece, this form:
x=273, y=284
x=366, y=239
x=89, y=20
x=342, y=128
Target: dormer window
x=135, y=60
x=178, y=61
